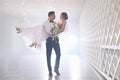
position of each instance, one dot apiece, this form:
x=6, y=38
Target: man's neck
x=50, y=19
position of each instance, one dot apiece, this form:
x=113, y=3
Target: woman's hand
x=33, y=45
x=60, y=25
x=18, y=30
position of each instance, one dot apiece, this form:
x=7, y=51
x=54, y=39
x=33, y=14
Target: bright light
x=5, y=3
x=70, y=40
x=75, y=68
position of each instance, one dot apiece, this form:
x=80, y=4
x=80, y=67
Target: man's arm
x=47, y=28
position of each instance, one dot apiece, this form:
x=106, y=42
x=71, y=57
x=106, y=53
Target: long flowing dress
x=36, y=34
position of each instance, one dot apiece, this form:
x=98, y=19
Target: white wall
x=100, y=28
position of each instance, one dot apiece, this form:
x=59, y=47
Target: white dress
x=35, y=34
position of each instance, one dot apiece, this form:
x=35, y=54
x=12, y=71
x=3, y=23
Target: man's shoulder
x=45, y=22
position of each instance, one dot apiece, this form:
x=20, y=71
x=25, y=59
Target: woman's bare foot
x=18, y=30
x=33, y=44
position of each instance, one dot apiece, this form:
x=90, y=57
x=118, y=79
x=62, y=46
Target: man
x=52, y=42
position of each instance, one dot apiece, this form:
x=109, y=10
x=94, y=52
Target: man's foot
x=57, y=72
x=50, y=74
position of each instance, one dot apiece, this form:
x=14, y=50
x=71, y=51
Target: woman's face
x=61, y=17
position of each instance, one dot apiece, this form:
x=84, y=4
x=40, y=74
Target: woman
x=63, y=18
x=37, y=34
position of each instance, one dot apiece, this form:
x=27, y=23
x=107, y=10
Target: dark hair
x=65, y=15
x=51, y=13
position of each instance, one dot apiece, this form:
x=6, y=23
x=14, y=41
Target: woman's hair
x=65, y=15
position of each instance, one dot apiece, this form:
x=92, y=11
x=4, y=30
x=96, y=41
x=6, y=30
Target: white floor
x=33, y=67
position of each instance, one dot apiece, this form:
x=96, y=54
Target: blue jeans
x=53, y=43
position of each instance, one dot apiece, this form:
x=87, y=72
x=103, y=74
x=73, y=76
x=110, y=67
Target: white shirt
x=48, y=26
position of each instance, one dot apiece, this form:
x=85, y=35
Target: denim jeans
x=53, y=43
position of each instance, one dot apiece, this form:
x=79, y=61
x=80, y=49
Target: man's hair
x=51, y=13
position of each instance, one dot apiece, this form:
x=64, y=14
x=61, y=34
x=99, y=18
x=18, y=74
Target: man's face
x=52, y=17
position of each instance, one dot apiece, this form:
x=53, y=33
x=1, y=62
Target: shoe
x=57, y=72
x=50, y=74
